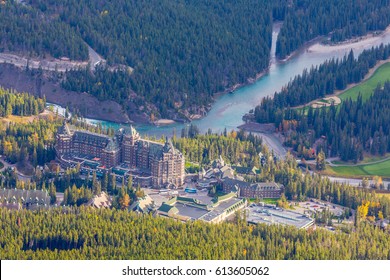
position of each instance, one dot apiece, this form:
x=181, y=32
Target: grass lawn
x=367, y=159
x=191, y=164
x=380, y=169
x=381, y=75
x=191, y=167
x=265, y=200
x=18, y=119
x=270, y=200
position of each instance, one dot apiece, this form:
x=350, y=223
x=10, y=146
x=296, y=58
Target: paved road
x=51, y=64
x=94, y=58
x=355, y=182
x=21, y=176
x=60, y=197
x=351, y=181
x=60, y=65
x=45, y=64
x=273, y=143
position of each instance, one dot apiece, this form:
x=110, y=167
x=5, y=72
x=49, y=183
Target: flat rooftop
x=272, y=215
x=190, y=211
x=215, y=212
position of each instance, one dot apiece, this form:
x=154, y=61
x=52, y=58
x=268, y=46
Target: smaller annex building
x=255, y=190
x=186, y=209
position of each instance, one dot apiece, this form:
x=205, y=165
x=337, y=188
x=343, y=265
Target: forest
x=87, y=233
x=31, y=142
x=305, y=20
x=350, y=129
x=234, y=147
x=26, y=142
x=103, y=84
x=319, y=81
x=353, y=128
x=182, y=51
x=26, y=30
x=19, y=104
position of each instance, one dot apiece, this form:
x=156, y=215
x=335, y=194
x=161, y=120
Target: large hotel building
x=163, y=162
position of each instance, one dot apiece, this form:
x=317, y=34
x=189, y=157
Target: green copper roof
x=168, y=209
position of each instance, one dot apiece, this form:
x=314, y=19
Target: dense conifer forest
x=182, y=51
x=32, y=141
x=353, y=128
x=319, y=81
x=19, y=104
x=350, y=129
x=26, y=30
x=104, y=84
x=81, y=233
x=341, y=20
x=234, y=147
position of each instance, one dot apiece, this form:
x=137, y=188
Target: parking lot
x=275, y=215
x=313, y=206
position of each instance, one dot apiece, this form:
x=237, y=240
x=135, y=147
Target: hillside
x=25, y=30
x=44, y=83
x=182, y=51
x=340, y=20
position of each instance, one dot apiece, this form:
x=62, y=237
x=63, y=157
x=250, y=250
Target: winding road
x=21, y=176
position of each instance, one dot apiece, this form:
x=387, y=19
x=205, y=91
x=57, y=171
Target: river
x=228, y=109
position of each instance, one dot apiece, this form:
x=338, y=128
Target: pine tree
x=52, y=193
x=105, y=182
x=320, y=161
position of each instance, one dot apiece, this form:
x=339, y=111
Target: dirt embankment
x=88, y=105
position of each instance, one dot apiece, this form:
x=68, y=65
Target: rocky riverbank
x=43, y=85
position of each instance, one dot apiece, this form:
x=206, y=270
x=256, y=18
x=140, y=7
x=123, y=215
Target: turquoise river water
x=228, y=109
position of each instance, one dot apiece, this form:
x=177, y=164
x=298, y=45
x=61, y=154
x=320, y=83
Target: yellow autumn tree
x=362, y=210
x=124, y=201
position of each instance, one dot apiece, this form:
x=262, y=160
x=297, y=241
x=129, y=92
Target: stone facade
x=163, y=162
x=256, y=190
